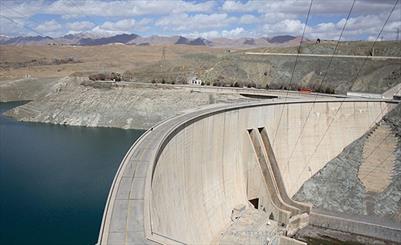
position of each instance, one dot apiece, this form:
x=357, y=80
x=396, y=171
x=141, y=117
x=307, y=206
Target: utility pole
x=163, y=64
x=398, y=34
x=163, y=59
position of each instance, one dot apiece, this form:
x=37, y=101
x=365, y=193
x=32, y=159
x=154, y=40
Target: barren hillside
x=219, y=67
x=44, y=61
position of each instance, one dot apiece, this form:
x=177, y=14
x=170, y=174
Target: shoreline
x=67, y=101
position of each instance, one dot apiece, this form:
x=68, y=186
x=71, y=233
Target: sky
x=207, y=19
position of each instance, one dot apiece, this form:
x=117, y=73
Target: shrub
x=329, y=90
x=251, y=85
x=115, y=76
x=127, y=76
x=103, y=77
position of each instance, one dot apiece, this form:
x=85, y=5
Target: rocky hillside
x=341, y=187
x=342, y=75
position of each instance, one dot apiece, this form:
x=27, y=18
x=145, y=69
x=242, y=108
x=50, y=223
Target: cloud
x=123, y=26
x=248, y=19
x=184, y=21
x=237, y=6
x=233, y=33
x=300, y=7
x=125, y=8
x=368, y=25
x=12, y=27
x=207, y=34
x=80, y=26
x=48, y=26
x=256, y=17
x=15, y=9
x=288, y=26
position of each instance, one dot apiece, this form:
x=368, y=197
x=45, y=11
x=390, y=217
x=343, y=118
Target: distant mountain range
x=88, y=39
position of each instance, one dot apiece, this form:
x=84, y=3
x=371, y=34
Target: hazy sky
x=208, y=19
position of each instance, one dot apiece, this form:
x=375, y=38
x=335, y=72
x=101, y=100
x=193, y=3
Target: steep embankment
x=26, y=89
x=74, y=102
x=365, y=179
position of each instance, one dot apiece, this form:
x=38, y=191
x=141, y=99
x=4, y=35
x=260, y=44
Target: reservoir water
x=54, y=180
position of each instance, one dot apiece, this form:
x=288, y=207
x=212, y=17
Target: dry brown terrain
x=38, y=61
x=215, y=66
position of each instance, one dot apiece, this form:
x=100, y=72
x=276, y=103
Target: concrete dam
x=226, y=174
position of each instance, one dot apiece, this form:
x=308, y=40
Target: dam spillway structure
x=227, y=174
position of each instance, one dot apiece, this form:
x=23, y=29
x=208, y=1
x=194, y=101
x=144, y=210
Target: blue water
x=54, y=180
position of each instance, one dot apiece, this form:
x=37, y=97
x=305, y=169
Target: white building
x=195, y=81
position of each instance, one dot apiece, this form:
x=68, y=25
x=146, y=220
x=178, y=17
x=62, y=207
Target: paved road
x=328, y=55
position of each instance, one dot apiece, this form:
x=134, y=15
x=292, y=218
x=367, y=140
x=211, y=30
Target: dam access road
x=214, y=175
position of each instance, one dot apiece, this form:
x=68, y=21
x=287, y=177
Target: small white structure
x=195, y=81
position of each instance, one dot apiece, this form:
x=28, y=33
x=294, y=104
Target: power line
x=22, y=15
x=381, y=114
x=374, y=42
x=321, y=140
x=23, y=25
x=371, y=171
x=15, y=11
x=381, y=142
x=295, y=65
x=337, y=44
x=325, y=75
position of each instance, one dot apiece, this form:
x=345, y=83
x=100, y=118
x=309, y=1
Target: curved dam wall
x=180, y=182
x=208, y=166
